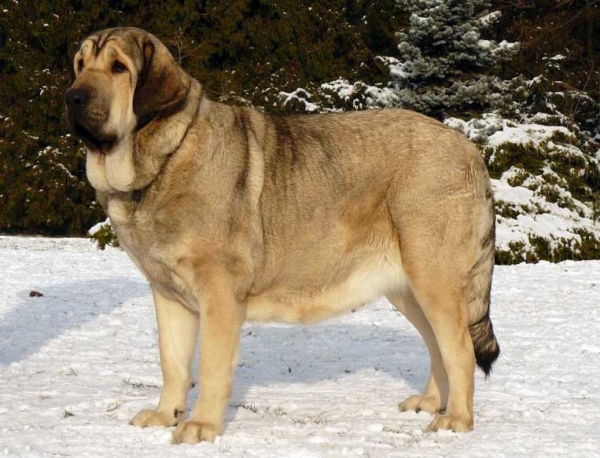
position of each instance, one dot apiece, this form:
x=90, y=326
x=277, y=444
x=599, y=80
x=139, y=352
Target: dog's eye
x=80, y=65
x=118, y=67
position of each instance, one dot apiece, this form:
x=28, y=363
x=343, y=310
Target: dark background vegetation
x=245, y=51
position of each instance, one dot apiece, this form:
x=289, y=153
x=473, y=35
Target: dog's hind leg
x=442, y=221
x=435, y=394
x=438, y=285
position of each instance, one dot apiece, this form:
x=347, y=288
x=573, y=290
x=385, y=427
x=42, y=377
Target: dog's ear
x=162, y=86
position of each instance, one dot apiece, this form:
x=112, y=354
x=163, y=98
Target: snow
x=301, y=96
x=490, y=18
x=495, y=130
x=373, y=96
x=559, y=224
x=526, y=133
x=558, y=57
x=484, y=44
x=505, y=45
x=544, y=219
x=398, y=70
x=417, y=20
x=99, y=226
x=79, y=362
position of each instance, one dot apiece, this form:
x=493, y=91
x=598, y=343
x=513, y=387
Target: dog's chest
x=145, y=242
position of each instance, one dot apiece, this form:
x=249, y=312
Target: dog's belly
x=364, y=284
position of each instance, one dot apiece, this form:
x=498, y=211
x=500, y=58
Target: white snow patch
x=494, y=130
x=523, y=134
x=97, y=227
x=558, y=57
x=555, y=222
x=490, y=18
x=374, y=96
x=299, y=95
x=79, y=362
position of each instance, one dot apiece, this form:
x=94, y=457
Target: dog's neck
x=137, y=160
x=156, y=141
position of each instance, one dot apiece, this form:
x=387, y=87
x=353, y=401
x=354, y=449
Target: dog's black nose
x=77, y=97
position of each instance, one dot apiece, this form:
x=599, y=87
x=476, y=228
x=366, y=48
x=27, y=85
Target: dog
x=235, y=215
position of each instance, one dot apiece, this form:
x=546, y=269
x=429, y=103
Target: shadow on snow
x=26, y=328
x=274, y=354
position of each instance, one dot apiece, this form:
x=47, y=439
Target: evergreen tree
x=445, y=65
x=442, y=66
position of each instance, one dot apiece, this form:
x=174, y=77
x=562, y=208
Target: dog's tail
x=480, y=326
x=485, y=343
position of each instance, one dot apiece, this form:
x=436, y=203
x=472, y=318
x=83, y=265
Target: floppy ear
x=162, y=86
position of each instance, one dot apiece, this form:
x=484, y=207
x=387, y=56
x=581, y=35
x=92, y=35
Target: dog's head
x=124, y=78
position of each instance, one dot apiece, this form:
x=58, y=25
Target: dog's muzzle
x=77, y=99
x=84, y=120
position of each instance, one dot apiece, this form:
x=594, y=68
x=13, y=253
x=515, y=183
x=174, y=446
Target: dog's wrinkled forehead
x=127, y=40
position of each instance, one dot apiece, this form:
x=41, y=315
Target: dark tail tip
x=485, y=344
x=485, y=359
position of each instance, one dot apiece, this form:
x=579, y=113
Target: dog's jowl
x=236, y=215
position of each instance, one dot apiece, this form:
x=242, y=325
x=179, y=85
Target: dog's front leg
x=221, y=319
x=177, y=336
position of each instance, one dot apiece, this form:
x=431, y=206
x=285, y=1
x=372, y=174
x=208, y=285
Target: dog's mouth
x=93, y=143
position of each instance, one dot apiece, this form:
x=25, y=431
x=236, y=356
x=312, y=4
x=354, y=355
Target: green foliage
x=579, y=174
x=105, y=236
x=252, y=51
x=446, y=64
x=249, y=49
x=508, y=209
x=549, y=29
x=526, y=157
x=586, y=247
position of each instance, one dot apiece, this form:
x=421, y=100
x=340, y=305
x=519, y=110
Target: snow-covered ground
x=79, y=362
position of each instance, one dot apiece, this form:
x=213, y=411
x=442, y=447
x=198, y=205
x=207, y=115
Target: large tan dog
x=235, y=215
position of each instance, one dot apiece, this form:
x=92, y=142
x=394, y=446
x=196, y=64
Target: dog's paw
x=458, y=424
x=148, y=417
x=420, y=403
x=192, y=432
